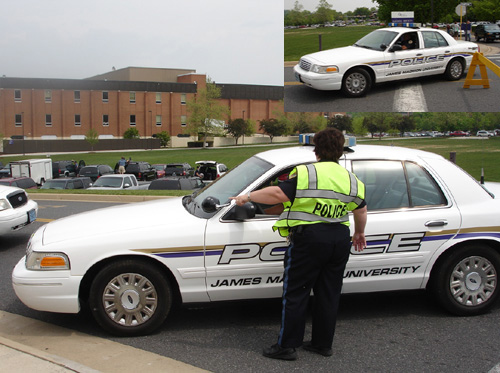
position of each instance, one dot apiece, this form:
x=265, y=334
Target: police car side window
x=424, y=190
x=433, y=40
x=385, y=184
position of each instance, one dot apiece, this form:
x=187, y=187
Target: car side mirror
x=395, y=48
x=247, y=211
x=211, y=204
x=126, y=186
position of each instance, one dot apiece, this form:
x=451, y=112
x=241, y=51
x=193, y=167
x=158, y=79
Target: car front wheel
x=357, y=82
x=130, y=298
x=466, y=281
x=454, y=70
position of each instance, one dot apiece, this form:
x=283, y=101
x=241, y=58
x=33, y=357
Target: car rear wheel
x=466, y=281
x=130, y=298
x=357, y=82
x=454, y=70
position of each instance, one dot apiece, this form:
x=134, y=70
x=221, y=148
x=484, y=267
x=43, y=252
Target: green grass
x=471, y=154
x=299, y=42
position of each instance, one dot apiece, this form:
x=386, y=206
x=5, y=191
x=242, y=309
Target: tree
x=164, y=138
x=92, y=137
x=131, y=133
x=272, y=127
x=404, y=124
x=487, y=10
x=341, y=122
x=206, y=113
x=239, y=127
x=421, y=8
x=324, y=12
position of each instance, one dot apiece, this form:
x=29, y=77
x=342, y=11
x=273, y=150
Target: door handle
x=436, y=223
x=420, y=54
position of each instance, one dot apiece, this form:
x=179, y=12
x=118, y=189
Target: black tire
x=454, y=69
x=466, y=282
x=130, y=298
x=357, y=82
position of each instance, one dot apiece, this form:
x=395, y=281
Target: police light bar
x=307, y=139
x=410, y=25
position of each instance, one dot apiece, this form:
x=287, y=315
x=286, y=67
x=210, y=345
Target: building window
x=19, y=120
x=78, y=121
x=105, y=96
x=48, y=95
x=17, y=95
x=183, y=121
x=158, y=120
x=105, y=120
x=77, y=96
x=183, y=99
x=48, y=120
x=158, y=97
x=132, y=120
x=132, y=97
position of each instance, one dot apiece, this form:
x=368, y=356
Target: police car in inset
x=430, y=226
x=384, y=55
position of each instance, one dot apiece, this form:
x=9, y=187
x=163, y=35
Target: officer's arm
x=270, y=196
x=358, y=239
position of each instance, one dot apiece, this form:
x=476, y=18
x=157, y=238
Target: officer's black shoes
x=308, y=346
x=278, y=352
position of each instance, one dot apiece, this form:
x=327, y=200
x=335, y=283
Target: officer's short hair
x=329, y=144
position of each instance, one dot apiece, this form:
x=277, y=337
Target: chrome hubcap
x=473, y=281
x=356, y=83
x=130, y=299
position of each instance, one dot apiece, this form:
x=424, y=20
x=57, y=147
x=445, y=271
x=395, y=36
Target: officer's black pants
x=315, y=259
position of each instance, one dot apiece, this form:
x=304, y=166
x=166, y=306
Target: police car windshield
x=231, y=184
x=376, y=39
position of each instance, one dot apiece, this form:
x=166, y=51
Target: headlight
x=324, y=69
x=4, y=204
x=37, y=261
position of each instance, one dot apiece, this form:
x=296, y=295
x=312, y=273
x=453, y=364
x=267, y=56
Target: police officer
x=316, y=200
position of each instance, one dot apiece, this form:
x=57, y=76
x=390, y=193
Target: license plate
x=31, y=216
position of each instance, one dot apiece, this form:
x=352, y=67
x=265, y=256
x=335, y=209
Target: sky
x=233, y=42
x=338, y=5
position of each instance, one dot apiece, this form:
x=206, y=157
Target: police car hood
x=345, y=55
x=124, y=220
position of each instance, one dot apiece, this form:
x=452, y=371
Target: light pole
x=243, y=143
x=22, y=125
x=151, y=120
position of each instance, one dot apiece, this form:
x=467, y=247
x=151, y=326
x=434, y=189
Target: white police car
x=383, y=55
x=16, y=209
x=430, y=225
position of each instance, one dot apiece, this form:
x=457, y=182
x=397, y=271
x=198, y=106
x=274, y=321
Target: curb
x=27, y=341
x=94, y=197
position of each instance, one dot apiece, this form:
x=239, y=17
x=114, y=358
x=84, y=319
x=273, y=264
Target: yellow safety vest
x=326, y=192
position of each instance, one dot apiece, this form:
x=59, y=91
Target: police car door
x=410, y=215
x=244, y=258
x=406, y=57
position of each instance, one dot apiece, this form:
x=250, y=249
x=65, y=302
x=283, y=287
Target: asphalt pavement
x=32, y=345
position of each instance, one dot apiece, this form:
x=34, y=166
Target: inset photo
x=368, y=57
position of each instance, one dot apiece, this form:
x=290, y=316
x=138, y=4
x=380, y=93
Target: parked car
x=179, y=169
x=383, y=55
x=176, y=183
x=483, y=133
x=211, y=170
x=141, y=170
x=16, y=209
x=116, y=182
x=430, y=226
x=20, y=182
x=5, y=171
x=68, y=183
x=66, y=168
x=487, y=32
x=95, y=171
x=458, y=133
x=160, y=170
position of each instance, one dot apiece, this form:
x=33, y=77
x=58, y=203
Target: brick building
x=151, y=100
